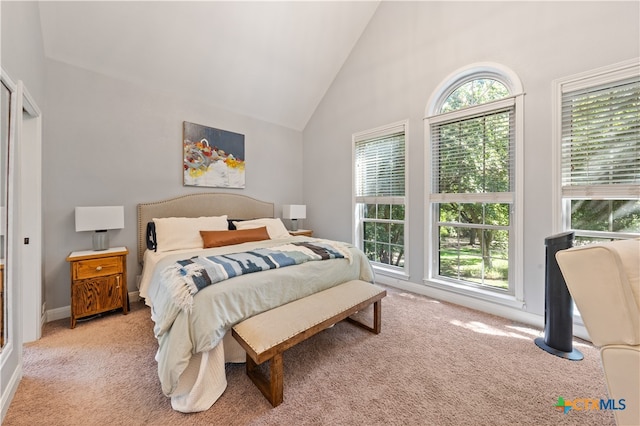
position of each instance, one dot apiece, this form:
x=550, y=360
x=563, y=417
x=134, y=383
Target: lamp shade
x=294, y=211
x=99, y=218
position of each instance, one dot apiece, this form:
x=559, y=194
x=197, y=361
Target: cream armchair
x=604, y=281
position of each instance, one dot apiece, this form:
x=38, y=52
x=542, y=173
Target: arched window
x=474, y=133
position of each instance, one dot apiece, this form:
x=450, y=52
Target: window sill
x=399, y=274
x=477, y=293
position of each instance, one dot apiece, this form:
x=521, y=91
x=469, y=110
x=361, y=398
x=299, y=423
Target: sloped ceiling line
x=269, y=60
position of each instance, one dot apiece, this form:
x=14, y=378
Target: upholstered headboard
x=195, y=205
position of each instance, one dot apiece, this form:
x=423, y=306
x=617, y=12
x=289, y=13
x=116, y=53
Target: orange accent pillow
x=226, y=238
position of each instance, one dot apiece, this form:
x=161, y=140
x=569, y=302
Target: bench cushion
x=268, y=329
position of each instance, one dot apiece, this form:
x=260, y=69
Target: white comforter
x=182, y=335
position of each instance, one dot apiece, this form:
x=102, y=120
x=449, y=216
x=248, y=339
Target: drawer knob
x=99, y=268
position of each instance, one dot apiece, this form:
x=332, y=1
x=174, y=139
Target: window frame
x=401, y=272
x=514, y=297
x=562, y=205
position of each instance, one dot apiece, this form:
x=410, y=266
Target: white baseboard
x=58, y=313
x=9, y=390
x=479, y=305
x=65, y=311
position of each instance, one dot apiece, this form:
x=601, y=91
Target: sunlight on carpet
x=481, y=328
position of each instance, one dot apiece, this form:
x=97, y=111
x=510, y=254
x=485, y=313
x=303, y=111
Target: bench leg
x=377, y=319
x=276, y=371
x=272, y=389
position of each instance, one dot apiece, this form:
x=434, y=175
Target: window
x=598, y=122
x=379, y=188
x=474, y=133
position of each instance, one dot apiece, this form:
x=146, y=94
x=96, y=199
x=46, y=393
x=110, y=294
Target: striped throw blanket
x=186, y=277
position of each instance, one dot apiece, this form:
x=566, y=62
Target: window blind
x=600, y=146
x=475, y=153
x=380, y=167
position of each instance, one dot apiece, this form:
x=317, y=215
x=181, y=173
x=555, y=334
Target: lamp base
x=574, y=355
x=294, y=224
x=100, y=240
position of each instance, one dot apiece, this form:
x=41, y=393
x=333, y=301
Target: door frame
x=30, y=177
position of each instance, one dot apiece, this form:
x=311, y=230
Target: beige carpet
x=433, y=364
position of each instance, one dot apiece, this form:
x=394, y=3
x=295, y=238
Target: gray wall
x=407, y=50
x=108, y=142
x=22, y=52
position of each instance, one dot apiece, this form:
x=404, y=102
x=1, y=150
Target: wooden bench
x=266, y=336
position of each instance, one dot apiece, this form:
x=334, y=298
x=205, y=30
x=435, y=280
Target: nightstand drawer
x=91, y=268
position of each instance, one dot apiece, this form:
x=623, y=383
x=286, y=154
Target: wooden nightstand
x=304, y=232
x=98, y=282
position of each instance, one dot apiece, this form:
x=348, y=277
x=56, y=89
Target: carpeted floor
x=433, y=364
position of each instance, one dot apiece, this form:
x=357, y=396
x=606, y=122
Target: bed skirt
x=204, y=380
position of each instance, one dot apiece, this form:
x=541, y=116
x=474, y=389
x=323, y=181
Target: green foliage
x=469, y=263
x=384, y=233
x=475, y=92
x=474, y=155
x=606, y=215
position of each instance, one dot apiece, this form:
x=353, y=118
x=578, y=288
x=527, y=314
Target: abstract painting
x=212, y=157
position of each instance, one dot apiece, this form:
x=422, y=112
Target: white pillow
x=275, y=227
x=176, y=233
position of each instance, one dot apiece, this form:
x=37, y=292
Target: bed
x=194, y=341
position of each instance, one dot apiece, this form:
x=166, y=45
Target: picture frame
x=213, y=158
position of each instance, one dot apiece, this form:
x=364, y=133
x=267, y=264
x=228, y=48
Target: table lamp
x=294, y=212
x=99, y=219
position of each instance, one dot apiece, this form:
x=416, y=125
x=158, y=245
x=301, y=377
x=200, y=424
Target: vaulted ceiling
x=270, y=60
